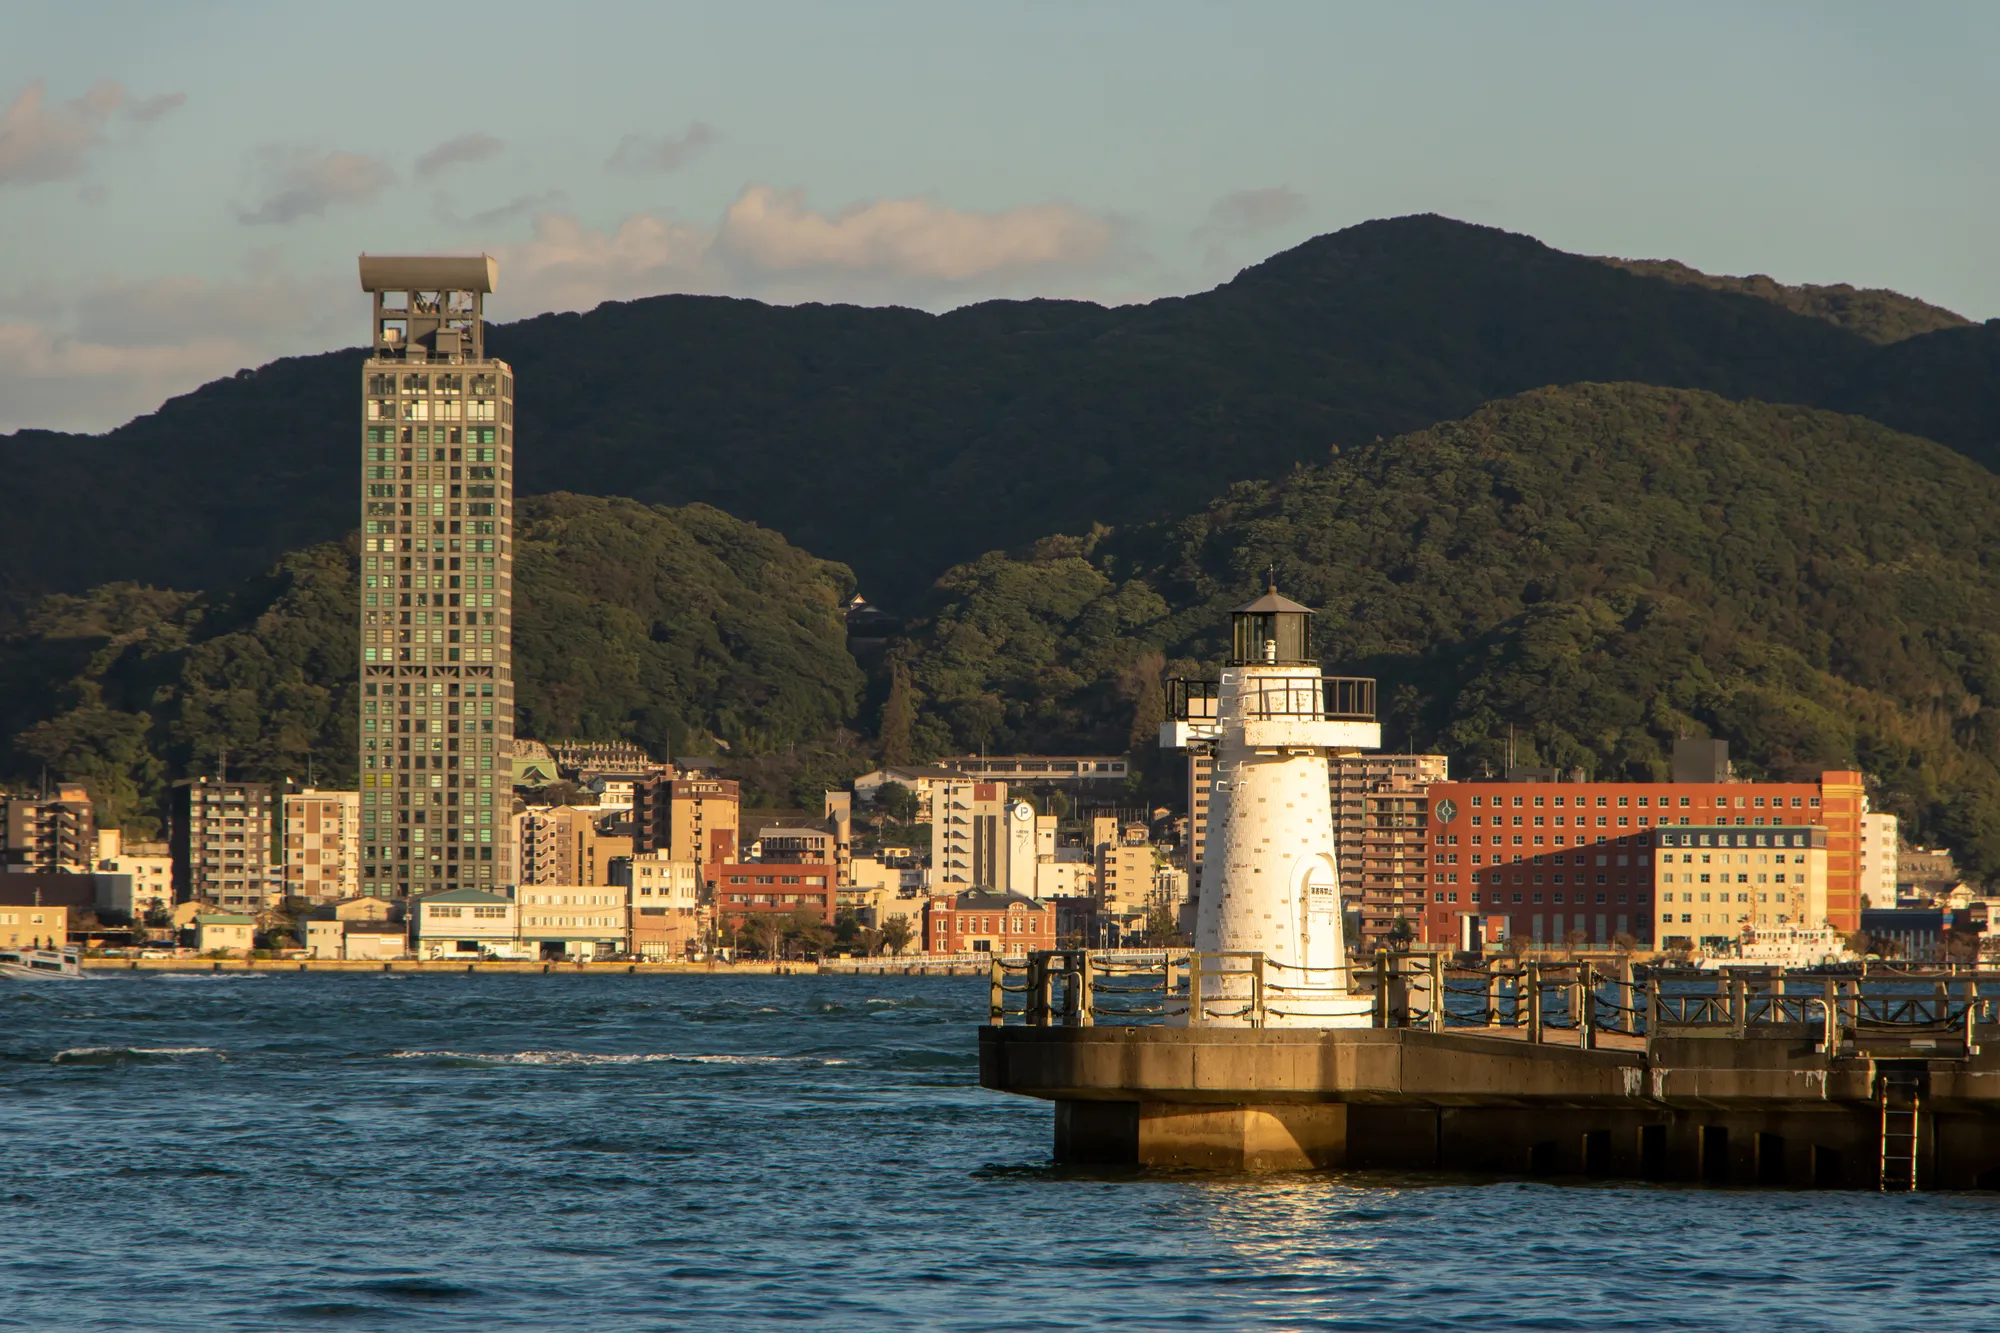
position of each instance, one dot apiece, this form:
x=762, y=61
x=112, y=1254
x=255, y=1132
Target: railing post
x=1535, y=1003
x=997, y=997
x=1493, y=994
x=1437, y=992
x=1628, y=1020
x=1087, y=998
x=1195, y=1015
x=1257, y=991
x=1739, y=1004
x=1381, y=989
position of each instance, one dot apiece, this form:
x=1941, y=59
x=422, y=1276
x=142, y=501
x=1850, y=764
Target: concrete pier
x=1767, y=1106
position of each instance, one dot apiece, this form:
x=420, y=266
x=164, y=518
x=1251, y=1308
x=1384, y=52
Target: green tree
x=896, y=934
x=898, y=717
x=898, y=803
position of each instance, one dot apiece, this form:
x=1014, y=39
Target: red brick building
x=745, y=888
x=1554, y=860
x=981, y=922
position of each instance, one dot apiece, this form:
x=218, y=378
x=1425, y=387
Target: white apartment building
x=574, y=920
x=968, y=842
x=1878, y=859
x=133, y=879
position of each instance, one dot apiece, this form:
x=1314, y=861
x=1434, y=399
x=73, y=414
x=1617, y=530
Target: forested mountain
x=901, y=442
x=685, y=630
x=1877, y=314
x=1599, y=567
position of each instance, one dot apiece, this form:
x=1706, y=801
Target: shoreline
x=871, y=967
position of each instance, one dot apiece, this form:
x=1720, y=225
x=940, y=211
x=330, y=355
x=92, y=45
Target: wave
x=124, y=1055
x=594, y=1058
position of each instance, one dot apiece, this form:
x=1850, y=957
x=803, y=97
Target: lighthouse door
x=1318, y=897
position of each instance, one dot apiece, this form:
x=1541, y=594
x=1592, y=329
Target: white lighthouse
x=1270, y=881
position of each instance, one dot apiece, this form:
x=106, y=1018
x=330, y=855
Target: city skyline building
x=437, y=681
x=220, y=844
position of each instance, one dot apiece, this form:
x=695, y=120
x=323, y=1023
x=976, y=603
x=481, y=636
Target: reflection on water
x=733, y=1153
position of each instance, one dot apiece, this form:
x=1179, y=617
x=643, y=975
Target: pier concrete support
x=1276, y=1137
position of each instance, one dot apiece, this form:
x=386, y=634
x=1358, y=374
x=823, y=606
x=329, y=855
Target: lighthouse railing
x=1573, y=1002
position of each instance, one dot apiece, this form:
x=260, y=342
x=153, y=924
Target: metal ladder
x=1901, y=1100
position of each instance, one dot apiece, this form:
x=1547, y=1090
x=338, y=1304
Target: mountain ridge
x=984, y=427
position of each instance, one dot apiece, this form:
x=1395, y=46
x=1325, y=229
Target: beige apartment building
x=1127, y=872
x=563, y=844
x=665, y=906
x=694, y=819
x=1713, y=882
x=220, y=841
x=33, y=926
x=1386, y=850
x=436, y=728
x=1357, y=822
x=322, y=842
x=48, y=835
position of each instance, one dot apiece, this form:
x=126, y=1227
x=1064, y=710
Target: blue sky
x=183, y=187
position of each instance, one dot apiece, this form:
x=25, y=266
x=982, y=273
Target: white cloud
x=770, y=245
x=91, y=359
x=520, y=206
x=304, y=182
x=773, y=231
x=1244, y=213
x=464, y=149
x=44, y=141
x=568, y=266
x=152, y=108
x=56, y=381
x=88, y=360
x=661, y=153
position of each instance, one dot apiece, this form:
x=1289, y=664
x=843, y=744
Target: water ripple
x=729, y=1153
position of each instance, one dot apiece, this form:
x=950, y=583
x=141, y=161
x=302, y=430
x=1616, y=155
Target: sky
x=184, y=187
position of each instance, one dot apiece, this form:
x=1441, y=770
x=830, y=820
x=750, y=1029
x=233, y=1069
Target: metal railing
x=1576, y=1003
x=1323, y=698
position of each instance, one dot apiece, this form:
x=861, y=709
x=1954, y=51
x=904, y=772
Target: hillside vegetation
x=686, y=630
x=1599, y=567
x=902, y=443
x=1877, y=314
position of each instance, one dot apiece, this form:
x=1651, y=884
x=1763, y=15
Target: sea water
x=569, y=1152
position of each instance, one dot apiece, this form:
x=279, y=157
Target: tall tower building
x=437, y=669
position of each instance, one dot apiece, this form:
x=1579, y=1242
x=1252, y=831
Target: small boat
x=1791, y=948
x=39, y=963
